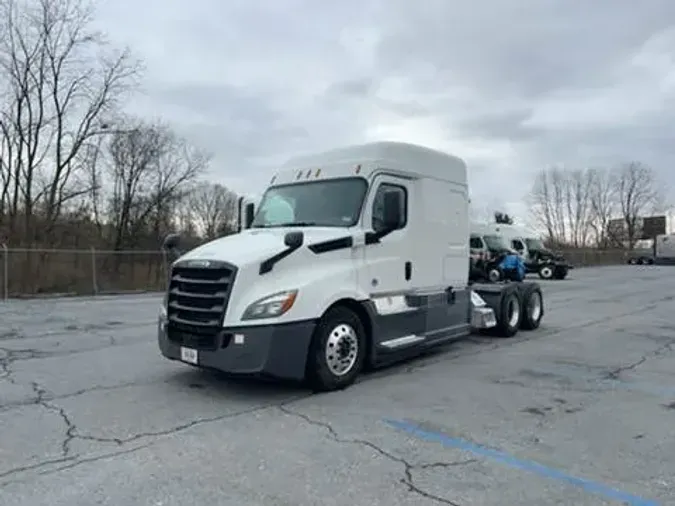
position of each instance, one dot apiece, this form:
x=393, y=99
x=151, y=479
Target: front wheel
x=546, y=272
x=494, y=275
x=337, y=352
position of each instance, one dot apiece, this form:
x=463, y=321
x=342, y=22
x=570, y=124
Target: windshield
x=328, y=203
x=535, y=245
x=495, y=242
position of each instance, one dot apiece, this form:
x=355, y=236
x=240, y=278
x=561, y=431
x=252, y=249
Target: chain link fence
x=589, y=257
x=40, y=272
x=53, y=272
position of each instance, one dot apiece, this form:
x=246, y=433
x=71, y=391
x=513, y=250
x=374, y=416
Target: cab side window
x=476, y=243
x=378, y=205
x=518, y=245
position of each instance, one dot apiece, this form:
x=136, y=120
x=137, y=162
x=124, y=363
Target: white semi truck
x=356, y=257
x=488, y=238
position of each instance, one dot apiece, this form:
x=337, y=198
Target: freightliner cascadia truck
x=356, y=257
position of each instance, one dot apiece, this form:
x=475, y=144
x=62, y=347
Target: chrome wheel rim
x=514, y=312
x=342, y=349
x=535, y=306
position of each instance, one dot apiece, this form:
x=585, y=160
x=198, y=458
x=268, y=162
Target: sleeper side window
x=378, y=205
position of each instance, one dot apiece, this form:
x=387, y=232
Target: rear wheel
x=509, y=314
x=533, y=308
x=337, y=352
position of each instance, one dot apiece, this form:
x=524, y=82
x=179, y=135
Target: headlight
x=270, y=306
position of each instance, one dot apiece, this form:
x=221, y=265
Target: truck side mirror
x=249, y=214
x=294, y=239
x=393, y=215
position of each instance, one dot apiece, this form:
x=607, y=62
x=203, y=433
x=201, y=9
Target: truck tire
x=560, y=272
x=337, y=352
x=545, y=272
x=533, y=308
x=509, y=313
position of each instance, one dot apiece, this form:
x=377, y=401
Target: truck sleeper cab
x=356, y=257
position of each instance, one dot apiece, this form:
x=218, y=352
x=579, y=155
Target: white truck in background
x=488, y=238
x=664, y=249
x=662, y=252
x=356, y=257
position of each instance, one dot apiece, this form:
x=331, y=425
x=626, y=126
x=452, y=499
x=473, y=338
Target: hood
x=258, y=244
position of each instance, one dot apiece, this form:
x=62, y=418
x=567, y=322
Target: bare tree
x=638, y=194
x=213, y=207
x=577, y=197
x=603, y=204
x=548, y=203
x=561, y=202
x=151, y=170
x=62, y=80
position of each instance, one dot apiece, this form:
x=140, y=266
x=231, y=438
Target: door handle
x=408, y=271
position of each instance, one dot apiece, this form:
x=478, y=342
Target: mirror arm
x=373, y=237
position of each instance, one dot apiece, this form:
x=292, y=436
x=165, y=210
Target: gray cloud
x=509, y=86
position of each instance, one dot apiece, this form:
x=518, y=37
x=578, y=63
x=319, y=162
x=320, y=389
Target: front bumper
x=278, y=351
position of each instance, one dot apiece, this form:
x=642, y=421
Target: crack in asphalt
x=408, y=479
x=615, y=374
x=47, y=396
x=70, y=426
x=489, y=344
x=71, y=433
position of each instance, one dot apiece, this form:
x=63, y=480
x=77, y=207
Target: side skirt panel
x=406, y=324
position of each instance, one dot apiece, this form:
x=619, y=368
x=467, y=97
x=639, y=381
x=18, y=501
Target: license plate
x=188, y=355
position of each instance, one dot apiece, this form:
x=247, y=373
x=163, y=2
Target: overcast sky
x=509, y=85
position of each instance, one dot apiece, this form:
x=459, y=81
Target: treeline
x=75, y=171
x=581, y=208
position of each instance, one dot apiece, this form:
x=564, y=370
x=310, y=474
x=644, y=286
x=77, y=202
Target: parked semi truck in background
x=489, y=238
x=356, y=257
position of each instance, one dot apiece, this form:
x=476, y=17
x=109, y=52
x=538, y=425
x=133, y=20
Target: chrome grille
x=197, y=301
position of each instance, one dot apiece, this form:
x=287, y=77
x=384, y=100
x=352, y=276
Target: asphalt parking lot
x=580, y=412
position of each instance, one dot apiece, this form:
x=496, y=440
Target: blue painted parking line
x=524, y=465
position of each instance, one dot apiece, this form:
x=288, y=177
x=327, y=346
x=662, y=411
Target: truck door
x=388, y=264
